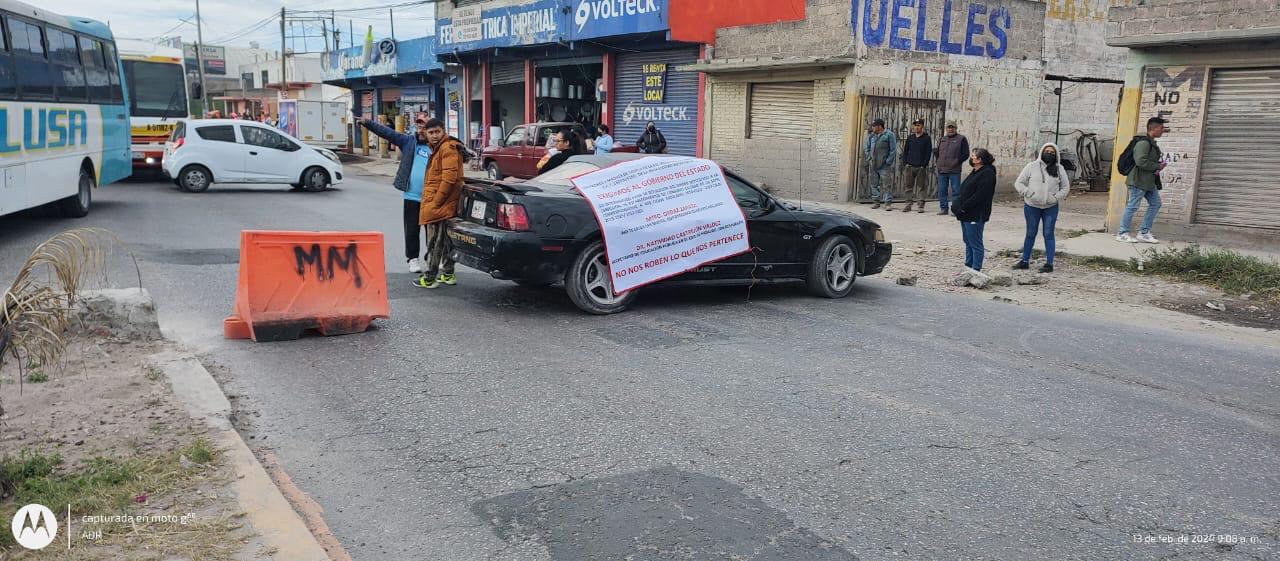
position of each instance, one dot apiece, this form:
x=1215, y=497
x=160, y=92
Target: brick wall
x=1176, y=93
x=785, y=166
x=824, y=32
x=1089, y=107
x=1154, y=18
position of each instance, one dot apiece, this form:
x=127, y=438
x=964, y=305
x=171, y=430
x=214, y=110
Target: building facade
x=788, y=103
x=390, y=78
x=1212, y=69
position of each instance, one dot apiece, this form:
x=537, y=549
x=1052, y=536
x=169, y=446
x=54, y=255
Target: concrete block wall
x=825, y=31
x=812, y=169
x=1177, y=94
x=1089, y=107
x=1018, y=38
x=1154, y=18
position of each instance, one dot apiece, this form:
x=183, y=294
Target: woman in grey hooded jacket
x=1043, y=184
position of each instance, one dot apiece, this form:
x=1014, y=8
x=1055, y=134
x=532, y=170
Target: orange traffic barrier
x=332, y=282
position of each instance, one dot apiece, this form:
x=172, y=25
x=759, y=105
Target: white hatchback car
x=201, y=152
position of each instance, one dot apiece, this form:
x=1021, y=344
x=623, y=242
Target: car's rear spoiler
x=503, y=186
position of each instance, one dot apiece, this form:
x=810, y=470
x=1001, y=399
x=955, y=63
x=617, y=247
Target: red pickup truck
x=518, y=154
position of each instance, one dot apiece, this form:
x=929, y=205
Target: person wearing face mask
x=973, y=207
x=652, y=141
x=1043, y=184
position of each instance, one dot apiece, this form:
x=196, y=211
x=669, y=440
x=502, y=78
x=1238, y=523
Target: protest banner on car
x=662, y=216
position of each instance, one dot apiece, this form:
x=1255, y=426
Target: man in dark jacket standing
x=973, y=207
x=952, y=152
x=916, y=154
x=878, y=154
x=1144, y=183
x=414, y=154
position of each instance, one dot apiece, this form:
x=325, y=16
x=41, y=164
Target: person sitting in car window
x=569, y=143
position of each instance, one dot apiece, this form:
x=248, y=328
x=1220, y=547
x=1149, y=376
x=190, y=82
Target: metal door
x=1241, y=157
x=676, y=115
x=898, y=112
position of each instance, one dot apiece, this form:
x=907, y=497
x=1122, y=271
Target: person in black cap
x=916, y=154
x=879, y=153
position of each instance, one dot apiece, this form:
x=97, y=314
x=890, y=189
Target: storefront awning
x=757, y=64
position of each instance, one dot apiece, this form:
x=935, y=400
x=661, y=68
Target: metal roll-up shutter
x=1241, y=157
x=676, y=116
x=507, y=73
x=781, y=110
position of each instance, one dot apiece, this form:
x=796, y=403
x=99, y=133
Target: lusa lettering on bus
x=43, y=129
x=985, y=29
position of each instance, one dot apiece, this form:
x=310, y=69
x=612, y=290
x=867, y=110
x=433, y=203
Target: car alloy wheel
x=842, y=266
x=492, y=171
x=596, y=281
x=588, y=285
x=834, y=267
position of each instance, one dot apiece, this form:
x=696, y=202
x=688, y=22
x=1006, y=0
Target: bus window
x=95, y=70
x=113, y=72
x=8, y=86
x=157, y=89
x=65, y=58
x=35, y=80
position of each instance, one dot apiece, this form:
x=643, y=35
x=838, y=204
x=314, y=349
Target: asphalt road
x=488, y=421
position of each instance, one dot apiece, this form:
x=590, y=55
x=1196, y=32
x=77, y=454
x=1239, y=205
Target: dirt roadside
x=103, y=433
x=929, y=248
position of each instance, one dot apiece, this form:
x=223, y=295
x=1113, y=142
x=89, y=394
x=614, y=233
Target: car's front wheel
x=588, y=284
x=195, y=179
x=492, y=172
x=315, y=179
x=834, y=268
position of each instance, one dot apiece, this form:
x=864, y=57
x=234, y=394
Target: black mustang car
x=542, y=231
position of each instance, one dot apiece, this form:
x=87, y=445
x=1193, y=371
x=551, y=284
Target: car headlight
x=332, y=157
x=879, y=235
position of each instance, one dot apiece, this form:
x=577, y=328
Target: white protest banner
x=662, y=216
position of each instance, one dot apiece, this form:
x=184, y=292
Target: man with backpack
x=1142, y=162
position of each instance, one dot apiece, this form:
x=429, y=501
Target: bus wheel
x=194, y=179
x=77, y=205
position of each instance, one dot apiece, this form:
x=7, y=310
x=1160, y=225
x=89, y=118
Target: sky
x=235, y=22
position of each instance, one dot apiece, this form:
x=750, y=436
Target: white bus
x=64, y=119
x=156, y=80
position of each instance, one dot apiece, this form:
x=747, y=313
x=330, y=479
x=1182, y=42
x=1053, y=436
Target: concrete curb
x=281, y=528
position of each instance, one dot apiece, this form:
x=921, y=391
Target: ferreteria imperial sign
x=548, y=21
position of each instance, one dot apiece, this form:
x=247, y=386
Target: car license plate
x=478, y=208
x=139, y=155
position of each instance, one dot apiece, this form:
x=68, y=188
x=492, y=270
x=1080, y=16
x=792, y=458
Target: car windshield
x=562, y=175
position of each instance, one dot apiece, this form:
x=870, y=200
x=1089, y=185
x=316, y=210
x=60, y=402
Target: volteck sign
x=548, y=21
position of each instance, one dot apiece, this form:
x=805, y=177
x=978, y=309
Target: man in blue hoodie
x=415, y=153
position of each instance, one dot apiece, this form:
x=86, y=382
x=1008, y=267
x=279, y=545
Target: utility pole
x=392, y=11
x=283, y=68
x=204, y=91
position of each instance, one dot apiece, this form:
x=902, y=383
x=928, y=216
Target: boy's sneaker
x=1126, y=238
x=447, y=278
x=1046, y=268
x=1147, y=238
x=1022, y=265
x=424, y=282
x=415, y=266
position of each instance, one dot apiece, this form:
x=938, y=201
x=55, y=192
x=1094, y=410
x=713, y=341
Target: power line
x=366, y=8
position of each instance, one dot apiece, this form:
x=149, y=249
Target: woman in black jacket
x=973, y=207
x=569, y=143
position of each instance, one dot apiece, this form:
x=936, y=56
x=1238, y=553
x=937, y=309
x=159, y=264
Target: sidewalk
x=373, y=165
x=1007, y=228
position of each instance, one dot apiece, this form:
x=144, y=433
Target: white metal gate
x=1240, y=162
x=781, y=110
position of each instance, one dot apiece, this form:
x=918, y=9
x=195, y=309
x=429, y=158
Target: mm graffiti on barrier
x=346, y=259
x=952, y=27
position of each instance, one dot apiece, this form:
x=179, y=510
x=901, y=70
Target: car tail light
x=512, y=217
x=178, y=144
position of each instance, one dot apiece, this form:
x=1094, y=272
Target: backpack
x=1125, y=164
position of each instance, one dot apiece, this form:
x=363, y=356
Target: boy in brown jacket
x=441, y=188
